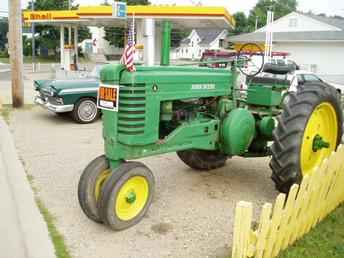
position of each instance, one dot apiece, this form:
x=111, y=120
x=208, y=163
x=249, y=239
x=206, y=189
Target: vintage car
x=76, y=97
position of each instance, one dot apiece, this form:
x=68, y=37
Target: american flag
x=129, y=51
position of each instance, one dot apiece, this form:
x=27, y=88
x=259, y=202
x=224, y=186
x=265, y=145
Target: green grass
x=61, y=249
x=43, y=60
x=326, y=240
x=28, y=60
x=5, y=112
x=7, y=109
x=4, y=60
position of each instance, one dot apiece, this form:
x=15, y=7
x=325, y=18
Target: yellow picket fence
x=292, y=217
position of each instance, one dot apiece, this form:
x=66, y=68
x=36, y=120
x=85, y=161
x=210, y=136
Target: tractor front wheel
x=90, y=184
x=309, y=130
x=126, y=195
x=202, y=160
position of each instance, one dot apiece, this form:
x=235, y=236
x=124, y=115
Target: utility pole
x=33, y=41
x=16, y=52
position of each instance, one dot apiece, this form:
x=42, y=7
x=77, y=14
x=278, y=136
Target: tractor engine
x=174, y=113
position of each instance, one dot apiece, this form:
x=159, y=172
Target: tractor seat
x=279, y=68
x=268, y=80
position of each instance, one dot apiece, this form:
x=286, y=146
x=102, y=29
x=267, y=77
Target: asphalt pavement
x=191, y=214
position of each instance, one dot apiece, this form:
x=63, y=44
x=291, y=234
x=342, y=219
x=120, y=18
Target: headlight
x=51, y=92
x=59, y=100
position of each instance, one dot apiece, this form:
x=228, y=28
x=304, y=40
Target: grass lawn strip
x=326, y=240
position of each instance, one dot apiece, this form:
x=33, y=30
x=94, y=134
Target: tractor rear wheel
x=309, y=129
x=202, y=160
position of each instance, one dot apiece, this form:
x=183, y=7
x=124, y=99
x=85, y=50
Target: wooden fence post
x=242, y=229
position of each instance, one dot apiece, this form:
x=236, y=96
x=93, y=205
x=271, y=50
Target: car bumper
x=51, y=107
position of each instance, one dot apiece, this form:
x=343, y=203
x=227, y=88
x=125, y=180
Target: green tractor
x=201, y=114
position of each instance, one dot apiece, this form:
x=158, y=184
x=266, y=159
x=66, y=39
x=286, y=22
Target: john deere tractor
x=202, y=114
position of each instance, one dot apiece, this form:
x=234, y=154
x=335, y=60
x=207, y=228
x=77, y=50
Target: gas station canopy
x=180, y=16
x=149, y=21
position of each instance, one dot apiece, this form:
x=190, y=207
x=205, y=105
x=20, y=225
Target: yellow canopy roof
x=182, y=16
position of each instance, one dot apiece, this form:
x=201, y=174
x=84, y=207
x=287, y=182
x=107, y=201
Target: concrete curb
x=23, y=231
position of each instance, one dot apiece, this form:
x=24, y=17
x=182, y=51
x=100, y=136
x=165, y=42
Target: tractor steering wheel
x=251, y=59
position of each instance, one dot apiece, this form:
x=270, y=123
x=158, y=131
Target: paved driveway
x=192, y=213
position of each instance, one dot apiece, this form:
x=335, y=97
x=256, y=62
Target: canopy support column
x=62, y=47
x=166, y=43
x=149, y=49
x=76, y=48
x=70, y=35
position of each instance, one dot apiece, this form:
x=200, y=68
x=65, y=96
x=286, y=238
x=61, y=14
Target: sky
x=330, y=7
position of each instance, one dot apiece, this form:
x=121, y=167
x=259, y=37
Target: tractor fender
x=237, y=131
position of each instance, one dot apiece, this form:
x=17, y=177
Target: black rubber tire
x=287, y=137
x=202, y=160
x=86, y=187
x=107, y=201
x=64, y=114
x=75, y=113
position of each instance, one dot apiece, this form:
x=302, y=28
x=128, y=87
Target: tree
x=49, y=36
x=241, y=23
x=280, y=8
x=116, y=35
x=3, y=32
x=177, y=35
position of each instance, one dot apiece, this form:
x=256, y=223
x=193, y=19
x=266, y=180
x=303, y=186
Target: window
x=311, y=78
x=314, y=68
x=293, y=22
x=192, y=43
x=299, y=78
x=221, y=43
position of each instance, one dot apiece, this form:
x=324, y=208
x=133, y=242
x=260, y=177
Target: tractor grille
x=132, y=109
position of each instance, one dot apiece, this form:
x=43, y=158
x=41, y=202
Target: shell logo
x=41, y=16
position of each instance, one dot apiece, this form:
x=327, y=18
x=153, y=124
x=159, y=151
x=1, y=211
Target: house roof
x=206, y=35
x=334, y=21
x=185, y=41
x=291, y=36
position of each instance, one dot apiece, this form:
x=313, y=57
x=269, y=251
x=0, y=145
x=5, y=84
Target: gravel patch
x=191, y=215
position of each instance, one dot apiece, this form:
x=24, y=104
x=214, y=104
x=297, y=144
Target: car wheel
x=85, y=111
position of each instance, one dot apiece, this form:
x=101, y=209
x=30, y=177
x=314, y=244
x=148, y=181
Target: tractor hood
x=165, y=74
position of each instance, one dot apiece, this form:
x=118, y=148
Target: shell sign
x=41, y=16
x=49, y=15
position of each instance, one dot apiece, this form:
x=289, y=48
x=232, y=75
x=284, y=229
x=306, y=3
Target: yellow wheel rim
x=132, y=198
x=322, y=126
x=99, y=183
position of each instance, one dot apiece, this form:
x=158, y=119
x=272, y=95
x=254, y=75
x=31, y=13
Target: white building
x=314, y=42
x=199, y=40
